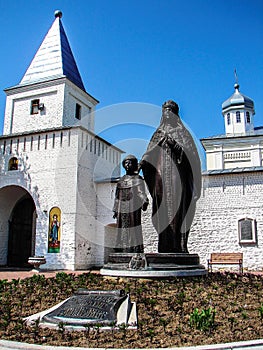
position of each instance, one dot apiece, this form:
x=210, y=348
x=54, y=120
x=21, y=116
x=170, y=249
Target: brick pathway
x=8, y=274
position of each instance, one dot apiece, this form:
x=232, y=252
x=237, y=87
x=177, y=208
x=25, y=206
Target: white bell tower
x=51, y=93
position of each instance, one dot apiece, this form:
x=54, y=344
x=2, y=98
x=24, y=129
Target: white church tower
x=52, y=164
x=242, y=144
x=238, y=112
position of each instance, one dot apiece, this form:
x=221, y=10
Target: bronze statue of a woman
x=172, y=172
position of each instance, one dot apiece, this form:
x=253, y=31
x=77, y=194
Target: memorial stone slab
x=88, y=307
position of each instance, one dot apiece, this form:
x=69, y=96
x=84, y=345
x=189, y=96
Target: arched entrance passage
x=17, y=225
x=21, y=232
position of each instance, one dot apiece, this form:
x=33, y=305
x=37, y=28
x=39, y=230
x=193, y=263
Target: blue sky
x=145, y=52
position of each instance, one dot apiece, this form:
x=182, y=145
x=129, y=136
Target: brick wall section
x=226, y=199
x=57, y=168
x=90, y=213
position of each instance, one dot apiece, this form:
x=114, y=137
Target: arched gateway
x=17, y=226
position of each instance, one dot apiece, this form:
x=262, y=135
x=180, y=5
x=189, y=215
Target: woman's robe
x=172, y=172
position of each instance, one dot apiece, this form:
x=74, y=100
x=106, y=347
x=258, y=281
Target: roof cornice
x=43, y=84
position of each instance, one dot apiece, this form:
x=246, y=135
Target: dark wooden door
x=20, y=234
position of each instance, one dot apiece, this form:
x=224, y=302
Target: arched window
x=248, y=117
x=238, y=118
x=13, y=164
x=228, y=119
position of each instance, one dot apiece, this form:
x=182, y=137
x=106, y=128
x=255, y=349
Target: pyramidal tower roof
x=54, y=58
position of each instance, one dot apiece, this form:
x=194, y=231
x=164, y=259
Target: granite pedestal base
x=153, y=265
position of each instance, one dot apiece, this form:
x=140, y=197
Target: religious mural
x=54, y=230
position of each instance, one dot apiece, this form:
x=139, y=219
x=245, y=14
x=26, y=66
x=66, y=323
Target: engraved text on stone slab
x=88, y=307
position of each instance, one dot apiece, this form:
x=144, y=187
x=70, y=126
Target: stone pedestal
x=153, y=265
x=110, y=237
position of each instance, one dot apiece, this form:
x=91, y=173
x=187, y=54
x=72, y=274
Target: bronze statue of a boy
x=130, y=199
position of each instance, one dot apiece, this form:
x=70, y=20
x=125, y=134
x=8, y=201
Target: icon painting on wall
x=54, y=230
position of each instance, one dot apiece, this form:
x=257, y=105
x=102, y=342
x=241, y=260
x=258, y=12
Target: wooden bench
x=226, y=259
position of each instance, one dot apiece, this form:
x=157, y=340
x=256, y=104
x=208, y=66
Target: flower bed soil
x=174, y=312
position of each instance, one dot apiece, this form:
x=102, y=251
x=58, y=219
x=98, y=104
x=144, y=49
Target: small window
x=78, y=111
x=247, y=231
x=238, y=118
x=34, y=106
x=248, y=117
x=61, y=139
x=90, y=145
x=53, y=140
x=46, y=139
x=13, y=164
x=228, y=119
